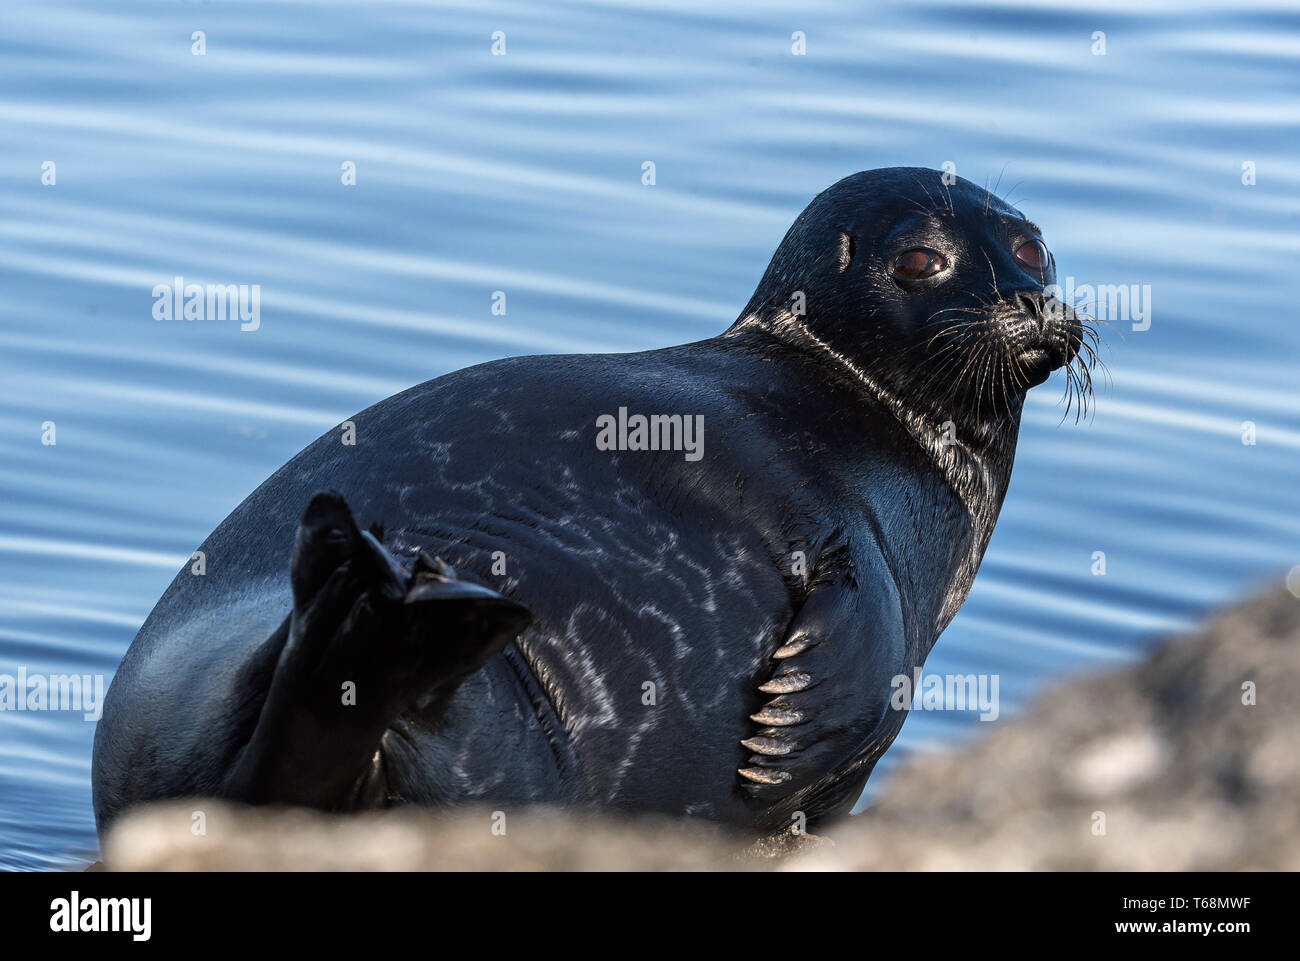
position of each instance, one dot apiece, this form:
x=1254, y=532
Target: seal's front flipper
x=368, y=641
x=824, y=700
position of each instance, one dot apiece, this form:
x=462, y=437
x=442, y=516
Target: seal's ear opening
x=846, y=251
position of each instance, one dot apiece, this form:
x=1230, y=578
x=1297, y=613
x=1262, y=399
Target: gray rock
x=1186, y=775
x=162, y=837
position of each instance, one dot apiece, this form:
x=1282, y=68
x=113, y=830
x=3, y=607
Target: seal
x=674, y=581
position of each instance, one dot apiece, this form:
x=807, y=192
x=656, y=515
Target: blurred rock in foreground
x=160, y=837
x=1185, y=774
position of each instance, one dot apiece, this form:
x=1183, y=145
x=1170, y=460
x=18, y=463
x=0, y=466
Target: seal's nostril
x=1032, y=304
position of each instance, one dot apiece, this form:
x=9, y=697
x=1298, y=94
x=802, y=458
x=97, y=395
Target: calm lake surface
x=523, y=173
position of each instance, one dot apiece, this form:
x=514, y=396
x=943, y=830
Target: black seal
x=675, y=581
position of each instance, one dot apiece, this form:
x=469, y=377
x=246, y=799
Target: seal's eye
x=1032, y=255
x=919, y=263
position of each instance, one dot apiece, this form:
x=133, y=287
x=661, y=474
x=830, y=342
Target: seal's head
x=930, y=286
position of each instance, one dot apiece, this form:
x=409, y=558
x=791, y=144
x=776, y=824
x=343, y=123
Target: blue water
x=522, y=173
